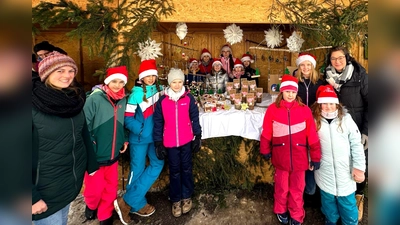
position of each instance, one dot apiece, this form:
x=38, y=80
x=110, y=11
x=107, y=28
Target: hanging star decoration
x=244, y=106
x=181, y=30
x=273, y=37
x=149, y=50
x=294, y=42
x=233, y=34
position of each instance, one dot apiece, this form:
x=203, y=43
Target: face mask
x=329, y=115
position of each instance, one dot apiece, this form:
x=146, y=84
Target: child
x=309, y=81
x=343, y=160
x=194, y=72
x=227, y=59
x=139, y=122
x=238, y=71
x=247, y=59
x=206, y=61
x=175, y=136
x=218, y=78
x=104, y=111
x=288, y=130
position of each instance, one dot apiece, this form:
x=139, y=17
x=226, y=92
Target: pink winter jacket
x=286, y=133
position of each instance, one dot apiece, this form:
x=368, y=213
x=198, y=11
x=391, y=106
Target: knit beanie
x=289, y=83
x=53, y=62
x=44, y=45
x=119, y=72
x=175, y=74
x=226, y=47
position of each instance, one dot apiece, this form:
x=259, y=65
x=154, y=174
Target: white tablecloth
x=222, y=123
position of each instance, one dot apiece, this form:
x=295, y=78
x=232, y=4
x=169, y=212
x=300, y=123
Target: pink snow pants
x=288, y=193
x=101, y=190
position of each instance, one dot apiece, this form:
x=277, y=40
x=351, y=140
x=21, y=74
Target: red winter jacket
x=287, y=132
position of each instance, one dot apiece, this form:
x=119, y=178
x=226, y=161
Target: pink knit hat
x=53, y=62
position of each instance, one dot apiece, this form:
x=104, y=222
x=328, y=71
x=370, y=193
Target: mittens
x=161, y=152
x=315, y=165
x=196, y=143
x=267, y=156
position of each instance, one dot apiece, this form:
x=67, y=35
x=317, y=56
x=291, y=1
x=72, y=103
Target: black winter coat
x=354, y=96
x=61, y=153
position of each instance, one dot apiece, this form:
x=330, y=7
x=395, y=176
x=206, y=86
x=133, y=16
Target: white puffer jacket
x=341, y=152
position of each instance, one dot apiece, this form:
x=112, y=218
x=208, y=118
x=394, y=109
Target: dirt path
x=241, y=208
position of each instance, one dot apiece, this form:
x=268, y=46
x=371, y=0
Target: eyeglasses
x=340, y=58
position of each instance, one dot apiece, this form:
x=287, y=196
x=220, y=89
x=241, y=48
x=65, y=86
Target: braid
x=158, y=88
x=144, y=91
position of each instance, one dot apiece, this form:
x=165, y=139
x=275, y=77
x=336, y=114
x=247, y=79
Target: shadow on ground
x=235, y=207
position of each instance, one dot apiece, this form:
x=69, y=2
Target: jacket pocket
x=37, y=174
x=278, y=145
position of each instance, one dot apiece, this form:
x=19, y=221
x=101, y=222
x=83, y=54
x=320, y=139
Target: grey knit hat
x=175, y=74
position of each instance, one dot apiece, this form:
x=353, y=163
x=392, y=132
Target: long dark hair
x=145, y=90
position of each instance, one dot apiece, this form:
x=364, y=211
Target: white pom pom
x=233, y=34
x=273, y=37
x=181, y=30
x=294, y=42
x=149, y=50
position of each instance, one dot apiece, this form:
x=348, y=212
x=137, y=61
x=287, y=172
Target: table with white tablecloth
x=243, y=123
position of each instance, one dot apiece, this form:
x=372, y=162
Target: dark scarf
x=63, y=103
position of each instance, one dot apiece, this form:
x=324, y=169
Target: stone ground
x=238, y=207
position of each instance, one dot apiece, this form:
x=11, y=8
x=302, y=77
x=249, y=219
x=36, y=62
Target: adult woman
x=61, y=146
x=350, y=81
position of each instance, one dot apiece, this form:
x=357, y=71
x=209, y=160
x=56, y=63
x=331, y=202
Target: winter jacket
x=190, y=77
x=61, y=153
x=286, y=134
x=139, y=114
x=308, y=97
x=105, y=121
x=176, y=123
x=341, y=152
x=206, y=69
x=248, y=72
x=354, y=96
x=217, y=81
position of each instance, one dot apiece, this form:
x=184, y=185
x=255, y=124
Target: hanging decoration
x=273, y=37
x=233, y=34
x=149, y=50
x=294, y=42
x=181, y=30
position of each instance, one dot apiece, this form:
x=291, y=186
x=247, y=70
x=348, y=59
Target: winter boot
x=186, y=205
x=176, y=209
x=108, y=221
x=283, y=218
x=90, y=214
x=123, y=210
x=360, y=206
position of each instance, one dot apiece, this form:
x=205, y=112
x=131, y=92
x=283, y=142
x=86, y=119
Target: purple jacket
x=176, y=123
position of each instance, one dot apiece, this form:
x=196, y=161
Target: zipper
x=176, y=124
x=307, y=86
x=333, y=157
x=115, y=107
x=73, y=152
x=37, y=174
x=290, y=142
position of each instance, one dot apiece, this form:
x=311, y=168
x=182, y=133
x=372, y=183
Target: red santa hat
x=247, y=57
x=119, y=72
x=226, y=47
x=289, y=83
x=205, y=52
x=191, y=61
x=216, y=61
x=238, y=63
x=148, y=68
x=306, y=57
x=326, y=94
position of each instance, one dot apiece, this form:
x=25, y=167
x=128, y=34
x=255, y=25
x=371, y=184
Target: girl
x=218, y=78
x=238, y=71
x=343, y=160
x=194, y=72
x=288, y=129
x=205, y=64
x=61, y=146
x=309, y=81
x=104, y=111
x=227, y=59
x=176, y=134
x=247, y=60
x=139, y=122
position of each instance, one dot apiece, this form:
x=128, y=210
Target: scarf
x=338, y=79
x=63, y=103
x=237, y=75
x=329, y=115
x=175, y=96
x=114, y=95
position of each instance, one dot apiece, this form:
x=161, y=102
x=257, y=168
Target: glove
x=161, y=152
x=364, y=141
x=267, y=156
x=358, y=175
x=196, y=143
x=315, y=165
